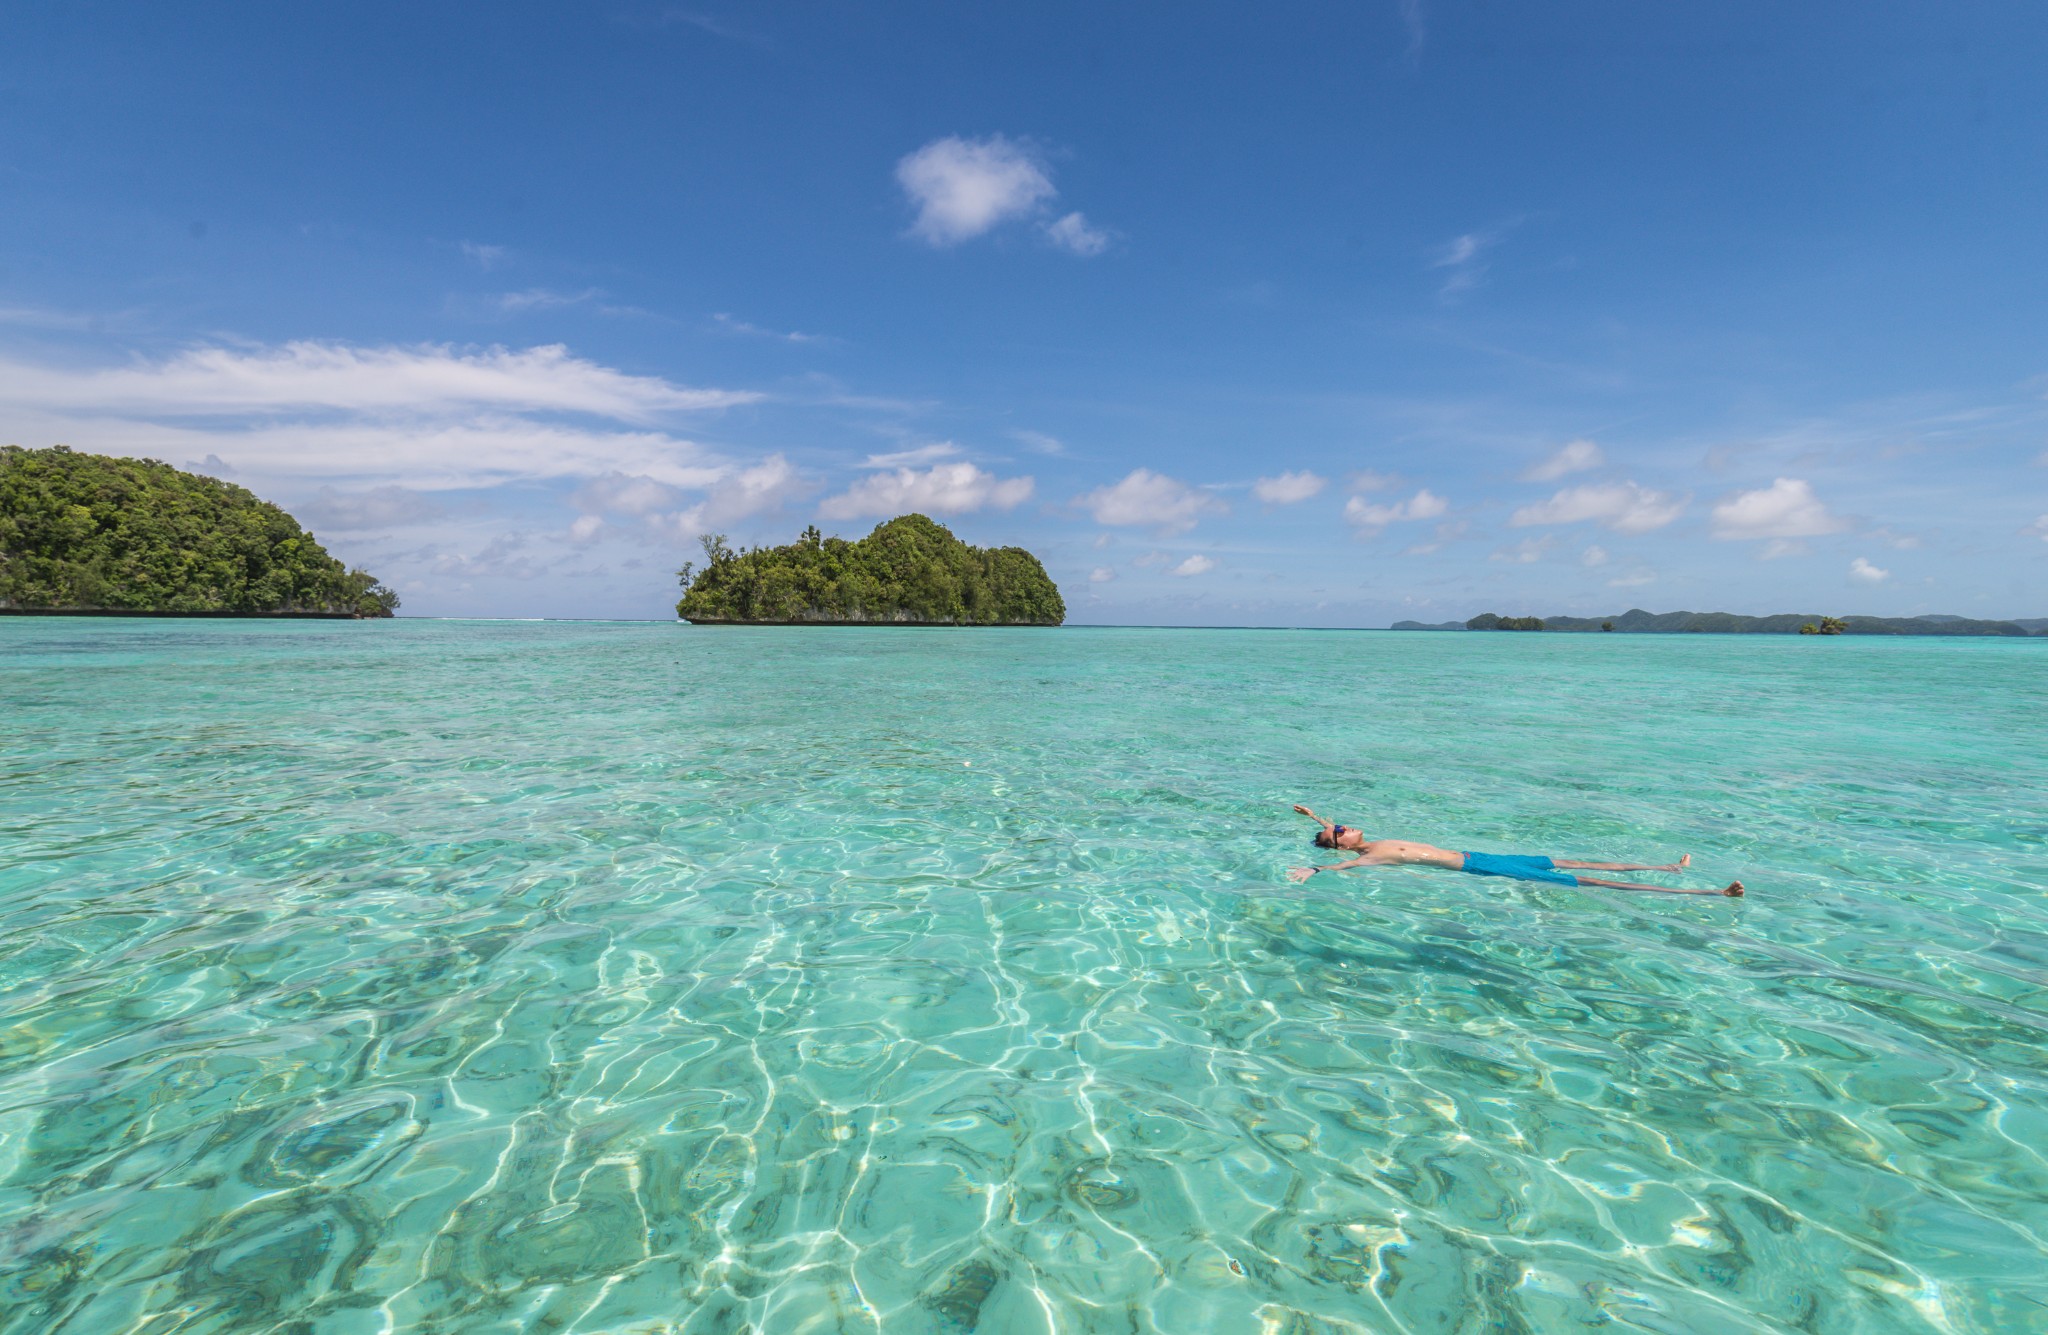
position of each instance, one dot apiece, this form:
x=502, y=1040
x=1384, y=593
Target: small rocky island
x=909, y=571
x=86, y=534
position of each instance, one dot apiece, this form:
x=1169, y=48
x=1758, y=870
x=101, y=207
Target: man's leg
x=1679, y=865
x=1734, y=889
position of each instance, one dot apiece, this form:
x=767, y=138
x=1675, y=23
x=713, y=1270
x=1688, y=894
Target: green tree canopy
x=908, y=570
x=86, y=531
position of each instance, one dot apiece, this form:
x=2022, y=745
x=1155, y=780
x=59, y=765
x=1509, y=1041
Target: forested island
x=909, y=571
x=82, y=533
x=1636, y=621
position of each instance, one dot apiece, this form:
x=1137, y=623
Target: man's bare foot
x=1734, y=890
x=1685, y=862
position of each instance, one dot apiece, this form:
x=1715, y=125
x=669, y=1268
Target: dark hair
x=1323, y=839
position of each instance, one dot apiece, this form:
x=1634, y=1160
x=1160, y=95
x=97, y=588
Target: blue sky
x=1283, y=314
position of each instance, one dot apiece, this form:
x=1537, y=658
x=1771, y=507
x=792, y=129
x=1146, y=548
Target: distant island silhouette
x=911, y=571
x=1636, y=621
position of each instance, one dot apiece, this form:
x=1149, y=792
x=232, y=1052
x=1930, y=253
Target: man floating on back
x=1520, y=867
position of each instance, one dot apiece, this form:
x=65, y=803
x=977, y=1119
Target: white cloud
x=1625, y=507
x=1194, y=565
x=1151, y=500
x=1633, y=579
x=482, y=450
x=1424, y=504
x=1778, y=548
x=1073, y=235
x=2039, y=528
x=946, y=489
x=1101, y=575
x=1786, y=509
x=765, y=486
x=1365, y=479
x=1905, y=542
x=1593, y=556
x=1288, y=488
x=922, y=454
x=1574, y=457
x=964, y=187
x=586, y=529
x=1868, y=573
x=486, y=258
x=337, y=377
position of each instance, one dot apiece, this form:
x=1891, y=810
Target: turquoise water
x=494, y=977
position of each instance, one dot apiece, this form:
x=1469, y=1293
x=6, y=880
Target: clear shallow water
x=493, y=977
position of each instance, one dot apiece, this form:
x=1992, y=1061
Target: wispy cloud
x=1194, y=565
x=1412, y=20
x=1039, y=443
x=957, y=488
x=1625, y=507
x=427, y=418
x=485, y=257
x=38, y=317
x=1447, y=532
x=1145, y=499
x=1527, y=551
x=541, y=299
x=923, y=454
x=1073, y=234
x=1573, y=457
x=309, y=376
x=624, y=493
x=1288, y=488
x=375, y=508
x=702, y=22
x=1463, y=259
x=735, y=326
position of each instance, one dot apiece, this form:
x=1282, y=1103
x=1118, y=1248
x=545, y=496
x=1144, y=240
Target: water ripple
x=478, y=977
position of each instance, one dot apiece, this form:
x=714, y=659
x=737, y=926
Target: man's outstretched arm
x=1314, y=817
x=1303, y=873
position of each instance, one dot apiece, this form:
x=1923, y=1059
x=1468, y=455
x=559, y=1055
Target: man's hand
x=1300, y=874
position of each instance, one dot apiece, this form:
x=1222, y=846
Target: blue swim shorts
x=1519, y=867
